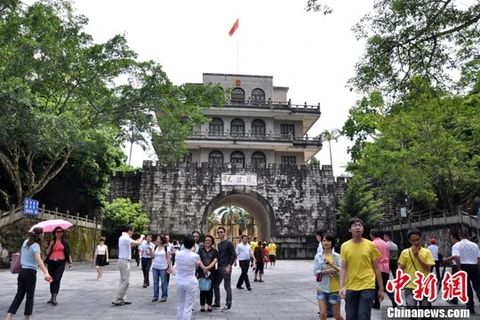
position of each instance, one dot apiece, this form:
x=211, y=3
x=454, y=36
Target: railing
x=431, y=219
x=16, y=214
x=267, y=137
x=274, y=105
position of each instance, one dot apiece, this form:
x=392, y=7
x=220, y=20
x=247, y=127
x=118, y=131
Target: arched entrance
x=257, y=206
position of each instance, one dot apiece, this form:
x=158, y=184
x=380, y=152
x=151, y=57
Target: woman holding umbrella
x=27, y=278
x=58, y=253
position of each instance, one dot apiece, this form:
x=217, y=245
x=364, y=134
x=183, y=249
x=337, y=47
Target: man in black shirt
x=226, y=257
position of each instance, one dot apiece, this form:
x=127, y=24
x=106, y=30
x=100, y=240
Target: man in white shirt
x=244, y=254
x=146, y=259
x=467, y=257
x=125, y=242
x=434, y=250
x=454, y=239
x=169, y=248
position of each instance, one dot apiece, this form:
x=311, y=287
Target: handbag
x=15, y=266
x=205, y=284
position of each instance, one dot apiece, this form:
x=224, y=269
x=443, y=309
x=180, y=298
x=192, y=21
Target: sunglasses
x=59, y=232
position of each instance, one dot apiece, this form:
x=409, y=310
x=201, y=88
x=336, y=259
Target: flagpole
x=238, y=49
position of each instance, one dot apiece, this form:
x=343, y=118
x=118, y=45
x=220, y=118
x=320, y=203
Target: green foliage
x=361, y=125
x=314, y=161
x=59, y=95
x=409, y=38
x=428, y=147
x=231, y=215
x=318, y=6
x=359, y=202
x=122, y=212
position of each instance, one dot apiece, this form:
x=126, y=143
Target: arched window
x=259, y=160
x=238, y=95
x=258, y=127
x=258, y=96
x=237, y=159
x=237, y=127
x=216, y=126
x=215, y=157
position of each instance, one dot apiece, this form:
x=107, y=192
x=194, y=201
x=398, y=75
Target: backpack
x=15, y=266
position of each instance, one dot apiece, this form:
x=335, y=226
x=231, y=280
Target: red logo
x=396, y=285
x=453, y=286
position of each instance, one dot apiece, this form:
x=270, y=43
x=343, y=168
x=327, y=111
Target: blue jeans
x=358, y=304
x=160, y=273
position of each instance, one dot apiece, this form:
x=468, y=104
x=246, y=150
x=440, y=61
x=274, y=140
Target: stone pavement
x=287, y=293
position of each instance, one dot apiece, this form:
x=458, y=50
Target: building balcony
x=269, y=138
x=274, y=105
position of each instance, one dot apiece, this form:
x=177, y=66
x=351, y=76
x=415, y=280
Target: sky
x=312, y=54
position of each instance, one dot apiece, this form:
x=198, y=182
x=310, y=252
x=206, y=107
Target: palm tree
x=230, y=215
x=329, y=136
x=212, y=221
x=133, y=136
x=246, y=222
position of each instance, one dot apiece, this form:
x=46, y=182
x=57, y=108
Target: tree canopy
x=59, y=90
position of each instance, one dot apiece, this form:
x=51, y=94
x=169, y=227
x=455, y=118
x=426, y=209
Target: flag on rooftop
x=234, y=28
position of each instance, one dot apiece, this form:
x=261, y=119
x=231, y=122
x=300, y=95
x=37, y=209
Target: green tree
x=212, y=221
x=410, y=38
x=329, y=135
x=122, y=212
x=429, y=146
x=246, y=223
x=58, y=90
x=230, y=215
x=359, y=202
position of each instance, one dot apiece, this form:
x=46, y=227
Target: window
x=258, y=127
x=289, y=160
x=215, y=157
x=237, y=159
x=216, y=126
x=287, y=129
x=258, y=96
x=238, y=95
x=258, y=160
x=188, y=157
x=237, y=127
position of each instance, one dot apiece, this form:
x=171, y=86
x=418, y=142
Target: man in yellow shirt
x=253, y=245
x=415, y=258
x=272, y=252
x=358, y=272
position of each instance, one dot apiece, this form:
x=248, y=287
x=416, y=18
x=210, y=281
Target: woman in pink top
x=58, y=254
x=383, y=264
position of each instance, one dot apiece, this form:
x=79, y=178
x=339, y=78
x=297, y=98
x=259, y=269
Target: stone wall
x=176, y=198
x=125, y=185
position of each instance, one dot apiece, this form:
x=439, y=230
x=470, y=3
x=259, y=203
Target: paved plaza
x=287, y=293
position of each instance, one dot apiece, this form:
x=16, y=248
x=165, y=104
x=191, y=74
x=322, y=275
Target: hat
x=433, y=240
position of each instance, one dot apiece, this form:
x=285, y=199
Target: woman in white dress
x=101, y=257
x=187, y=284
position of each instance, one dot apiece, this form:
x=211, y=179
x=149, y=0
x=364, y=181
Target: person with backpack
x=30, y=261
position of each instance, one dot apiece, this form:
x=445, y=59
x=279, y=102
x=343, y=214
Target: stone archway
x=256, y=205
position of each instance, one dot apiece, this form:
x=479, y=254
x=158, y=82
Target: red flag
x=234, y=28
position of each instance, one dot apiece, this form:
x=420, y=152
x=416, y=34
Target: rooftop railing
x=254, y=137
x=274, y=105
